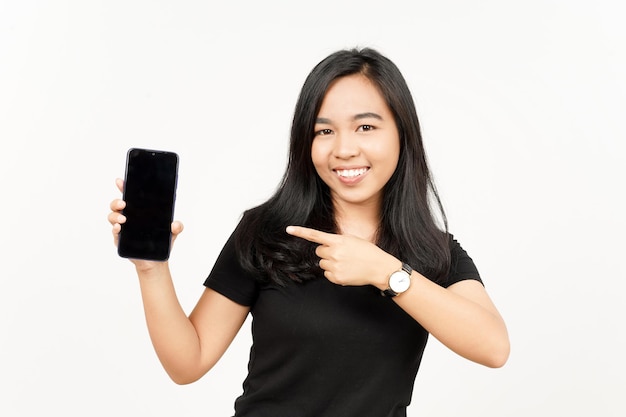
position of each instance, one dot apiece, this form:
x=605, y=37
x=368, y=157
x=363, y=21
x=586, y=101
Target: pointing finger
x=311, y=235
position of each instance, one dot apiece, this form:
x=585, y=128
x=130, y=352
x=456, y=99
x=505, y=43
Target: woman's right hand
x=186, y=346
x=116, y=218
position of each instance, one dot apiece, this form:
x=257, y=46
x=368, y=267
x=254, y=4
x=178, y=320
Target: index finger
x=311, y=235
x=120, y=184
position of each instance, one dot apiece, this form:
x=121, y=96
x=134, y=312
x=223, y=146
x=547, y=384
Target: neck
x=360, y=220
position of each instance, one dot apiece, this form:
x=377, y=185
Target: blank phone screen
x=149, y=193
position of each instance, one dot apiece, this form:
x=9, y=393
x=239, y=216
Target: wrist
x=148, y=269
x=388, y=267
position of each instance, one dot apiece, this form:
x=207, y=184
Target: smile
x=351, y=173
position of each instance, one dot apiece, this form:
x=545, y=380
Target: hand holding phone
x=150, y=194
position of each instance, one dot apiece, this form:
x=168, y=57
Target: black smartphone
x=149, y=192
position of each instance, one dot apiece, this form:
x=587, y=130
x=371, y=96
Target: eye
x=365, y=128
x=323, y=132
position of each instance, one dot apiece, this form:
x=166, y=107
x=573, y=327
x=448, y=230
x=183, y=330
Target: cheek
x=394, y=152
x=318, y=156
x=387, y=156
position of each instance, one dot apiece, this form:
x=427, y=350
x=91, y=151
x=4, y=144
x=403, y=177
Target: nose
x=346, y=146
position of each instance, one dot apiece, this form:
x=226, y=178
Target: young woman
x=345, y=269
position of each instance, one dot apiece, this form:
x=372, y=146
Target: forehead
x=353, y=94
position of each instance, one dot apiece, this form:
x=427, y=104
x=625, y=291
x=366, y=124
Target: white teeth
x=351, y=173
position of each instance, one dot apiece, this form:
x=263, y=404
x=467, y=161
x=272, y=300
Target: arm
x=462, y=316
x=188, y=347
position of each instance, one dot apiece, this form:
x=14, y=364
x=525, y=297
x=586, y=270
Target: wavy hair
x=409, y=227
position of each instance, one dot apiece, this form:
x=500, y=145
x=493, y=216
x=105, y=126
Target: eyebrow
x=359, y=116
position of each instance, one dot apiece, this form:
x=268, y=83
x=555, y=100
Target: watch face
x=399, y=281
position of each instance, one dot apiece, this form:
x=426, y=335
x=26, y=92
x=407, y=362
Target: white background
x=522, y=106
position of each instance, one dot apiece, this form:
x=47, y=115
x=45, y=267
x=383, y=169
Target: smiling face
x=356, y=146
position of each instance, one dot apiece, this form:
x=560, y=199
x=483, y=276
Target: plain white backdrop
x=522, y=106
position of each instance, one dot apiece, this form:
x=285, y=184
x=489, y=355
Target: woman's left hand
x=349, y=260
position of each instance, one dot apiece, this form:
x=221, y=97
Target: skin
x=355, y=131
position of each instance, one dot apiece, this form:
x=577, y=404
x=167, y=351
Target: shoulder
x=229, y=277
x=462, y=266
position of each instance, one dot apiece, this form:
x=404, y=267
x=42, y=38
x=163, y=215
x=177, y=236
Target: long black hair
x=409, y=227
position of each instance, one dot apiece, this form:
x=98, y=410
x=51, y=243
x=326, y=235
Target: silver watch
x=399, y=281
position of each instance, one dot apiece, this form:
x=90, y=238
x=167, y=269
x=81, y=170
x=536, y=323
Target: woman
x=345, y=269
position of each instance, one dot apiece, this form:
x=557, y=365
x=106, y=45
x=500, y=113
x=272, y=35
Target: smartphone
x=149, y=192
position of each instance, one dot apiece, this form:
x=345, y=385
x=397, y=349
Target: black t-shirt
x=320, y=349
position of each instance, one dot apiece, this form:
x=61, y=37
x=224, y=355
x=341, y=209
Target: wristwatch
x=399, y=281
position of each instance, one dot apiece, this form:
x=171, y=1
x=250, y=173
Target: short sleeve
x=229, y=279
x=462, y=267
